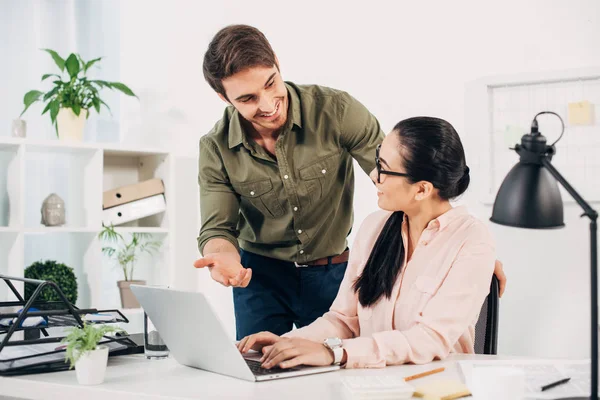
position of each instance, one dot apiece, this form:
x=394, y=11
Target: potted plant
x=84, y=353
x=72, y=95
x=126, y=253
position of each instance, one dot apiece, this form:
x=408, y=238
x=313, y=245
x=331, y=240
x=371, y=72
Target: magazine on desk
x=542, y=372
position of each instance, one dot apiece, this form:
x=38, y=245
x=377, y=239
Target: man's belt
x=326, y=260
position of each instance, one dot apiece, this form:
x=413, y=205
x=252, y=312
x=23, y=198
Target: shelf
x=70, y=229
x=124, y=151
x=8, y=142
x=78, y=172
x=60, y=147
x=141, y=229
x=65, y=146
x=59, y=229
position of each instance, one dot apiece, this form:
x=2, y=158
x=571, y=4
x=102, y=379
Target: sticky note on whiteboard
x=581, y=113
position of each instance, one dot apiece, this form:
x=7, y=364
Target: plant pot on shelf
x=70, y=126
x=91, y=366
x=128, y=299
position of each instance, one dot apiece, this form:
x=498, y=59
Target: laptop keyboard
x=255, y=367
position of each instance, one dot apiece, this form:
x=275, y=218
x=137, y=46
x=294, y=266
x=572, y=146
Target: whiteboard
x=509, y=106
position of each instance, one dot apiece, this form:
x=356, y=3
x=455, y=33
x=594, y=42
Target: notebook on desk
x=442, y=390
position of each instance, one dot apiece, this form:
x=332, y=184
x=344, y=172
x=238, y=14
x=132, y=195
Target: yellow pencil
x=422, y=374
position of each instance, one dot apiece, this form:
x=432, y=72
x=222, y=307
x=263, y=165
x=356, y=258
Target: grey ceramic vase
x=53, y=211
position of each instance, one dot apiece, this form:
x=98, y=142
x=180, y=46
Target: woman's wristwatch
x=335, y=345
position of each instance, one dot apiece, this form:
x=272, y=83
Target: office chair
x=486, y=328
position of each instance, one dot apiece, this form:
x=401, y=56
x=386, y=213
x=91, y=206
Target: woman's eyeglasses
x=382, y=171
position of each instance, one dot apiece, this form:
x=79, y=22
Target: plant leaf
x=51, y=93
x=57, y=59
x=46, y=76
x=31, y=97
x=96, y=103
x=54, y=108
x=106, y=105
x=76, y=109
x=90, y=63
x=72, y=65
x=102, y=83
x=123, y=88
x=47, y=108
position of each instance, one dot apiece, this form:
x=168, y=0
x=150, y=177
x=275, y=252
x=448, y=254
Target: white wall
x=400, y=59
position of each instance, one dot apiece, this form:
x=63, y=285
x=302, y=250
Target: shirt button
x=299, y=231
x=252, y=193
x=324, y=171
x=295, y=208
x=285, y=177
x=301, y=251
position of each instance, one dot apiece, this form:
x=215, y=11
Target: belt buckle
x=300, y=265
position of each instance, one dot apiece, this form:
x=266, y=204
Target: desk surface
x=134, y=377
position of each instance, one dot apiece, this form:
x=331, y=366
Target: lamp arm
x=588, y=210
x=593, y=216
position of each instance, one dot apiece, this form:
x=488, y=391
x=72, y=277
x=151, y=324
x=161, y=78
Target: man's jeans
x=281, y=295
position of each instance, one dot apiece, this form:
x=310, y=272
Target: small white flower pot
x=70, y=126
x=91, y=366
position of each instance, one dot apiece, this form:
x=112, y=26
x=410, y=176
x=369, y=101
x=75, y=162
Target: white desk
x=134, y=377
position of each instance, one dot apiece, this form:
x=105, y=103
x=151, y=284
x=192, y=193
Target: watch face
x=333, y=342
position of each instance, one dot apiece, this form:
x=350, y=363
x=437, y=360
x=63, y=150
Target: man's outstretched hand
x=226, y=269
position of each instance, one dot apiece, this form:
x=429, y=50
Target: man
x=276, y=185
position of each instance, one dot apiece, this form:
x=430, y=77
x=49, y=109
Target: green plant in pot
x=59, y=273
x=72, y=95
x=126, y=253
x=85, y=354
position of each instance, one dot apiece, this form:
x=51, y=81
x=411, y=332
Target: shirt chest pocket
x=259, y=195
x=320, y=176
x=424, y=289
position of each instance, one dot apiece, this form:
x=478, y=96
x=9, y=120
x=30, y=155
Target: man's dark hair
x=234, y=49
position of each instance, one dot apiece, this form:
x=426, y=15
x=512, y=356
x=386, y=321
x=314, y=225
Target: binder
x=134, y=210
x=129, y=193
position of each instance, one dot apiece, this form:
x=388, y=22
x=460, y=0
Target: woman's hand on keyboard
x=258, y=341
x=295, y=351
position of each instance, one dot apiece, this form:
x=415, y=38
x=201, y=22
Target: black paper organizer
x=61, y=314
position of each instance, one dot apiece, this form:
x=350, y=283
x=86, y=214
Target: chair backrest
x=486, y=328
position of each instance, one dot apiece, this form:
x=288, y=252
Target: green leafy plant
x=127, y=252
x=53, y=271
x=72, y=90
x=81, y=340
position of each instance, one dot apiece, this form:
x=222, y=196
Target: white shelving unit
x=79, y=173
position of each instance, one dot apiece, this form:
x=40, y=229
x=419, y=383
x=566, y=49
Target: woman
x=419, y=270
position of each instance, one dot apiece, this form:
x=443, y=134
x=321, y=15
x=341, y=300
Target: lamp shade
x=529, y=198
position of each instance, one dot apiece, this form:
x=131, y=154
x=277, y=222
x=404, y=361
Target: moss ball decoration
x=53, y=271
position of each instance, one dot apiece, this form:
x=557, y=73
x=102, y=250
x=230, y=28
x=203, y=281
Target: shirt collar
x=236, y=131
x=443, y=220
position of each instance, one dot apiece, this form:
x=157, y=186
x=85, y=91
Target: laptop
x=196, y=336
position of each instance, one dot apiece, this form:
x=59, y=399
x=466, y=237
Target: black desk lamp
x=529, y=198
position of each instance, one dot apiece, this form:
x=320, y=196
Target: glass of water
x=154, y=347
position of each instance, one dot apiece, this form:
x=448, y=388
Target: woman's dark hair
x=433, y=152
x=234, y=49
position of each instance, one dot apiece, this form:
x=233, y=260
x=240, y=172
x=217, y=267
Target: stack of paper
x=376, y=387
x=539, y=373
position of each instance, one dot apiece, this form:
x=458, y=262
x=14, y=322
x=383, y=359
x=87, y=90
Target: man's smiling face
x=260, y=96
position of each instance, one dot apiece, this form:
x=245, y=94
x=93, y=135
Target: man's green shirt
x=297, y=207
